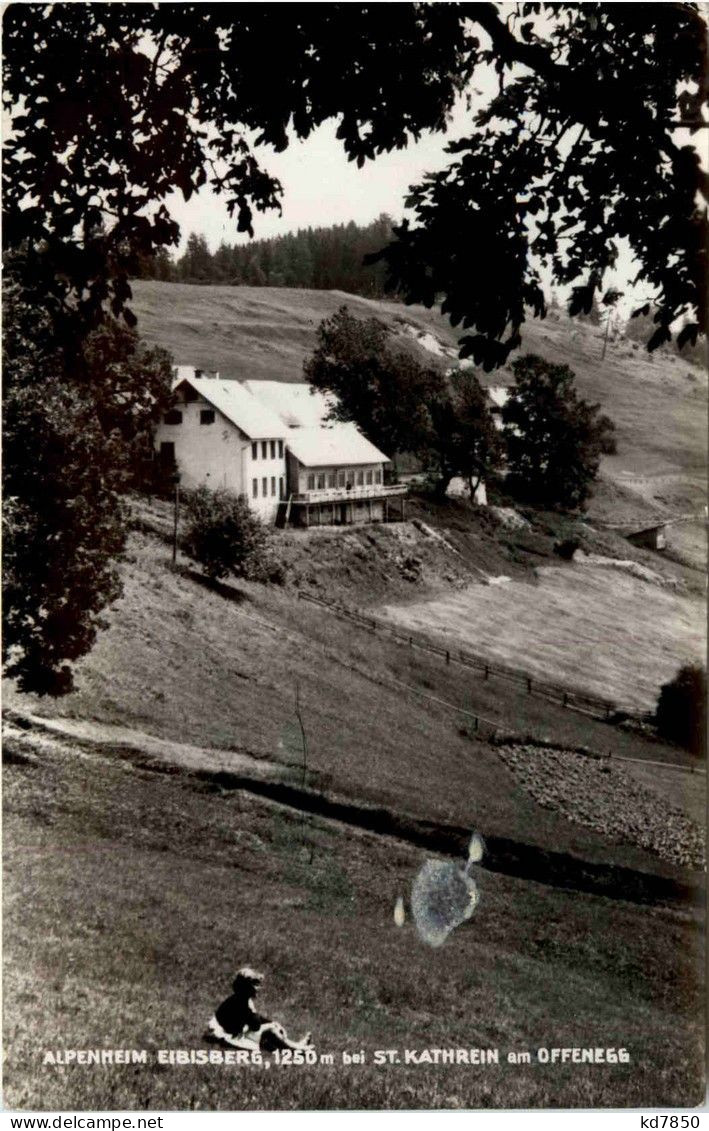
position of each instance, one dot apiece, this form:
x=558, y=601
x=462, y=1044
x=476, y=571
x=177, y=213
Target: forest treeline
x=329, y=258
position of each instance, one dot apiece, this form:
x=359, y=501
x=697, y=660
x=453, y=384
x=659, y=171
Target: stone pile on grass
x=599, y=794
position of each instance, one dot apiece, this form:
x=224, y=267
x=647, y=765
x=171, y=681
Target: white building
x=270, y=441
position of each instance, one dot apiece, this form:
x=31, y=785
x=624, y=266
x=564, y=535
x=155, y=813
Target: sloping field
x=139, y=877
x=132, y=897
x=221, y=670
x=600, y=628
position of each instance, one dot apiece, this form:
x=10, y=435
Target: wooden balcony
x=342, y=495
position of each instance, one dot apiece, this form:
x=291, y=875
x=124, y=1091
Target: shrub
x=680, y=715
x=566, y=548
x=223, y=534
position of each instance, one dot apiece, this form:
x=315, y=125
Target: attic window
x=172, y=417
x=280, y=449
x=273, y=449
x=190, y=393
x=206, y=416
x=254, y=453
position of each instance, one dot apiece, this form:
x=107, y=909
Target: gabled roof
x=312, y=438
x=334, y=445
x=294, y=402
x=239, y=406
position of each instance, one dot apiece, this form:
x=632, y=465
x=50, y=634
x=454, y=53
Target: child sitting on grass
x=235, y=1022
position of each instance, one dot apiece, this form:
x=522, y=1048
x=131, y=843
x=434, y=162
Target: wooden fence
x=556, y=693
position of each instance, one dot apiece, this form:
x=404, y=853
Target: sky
x=321, y=187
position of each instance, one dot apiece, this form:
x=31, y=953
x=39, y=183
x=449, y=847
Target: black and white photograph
x=354, y=557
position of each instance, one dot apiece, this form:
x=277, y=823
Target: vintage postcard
x=355, y=511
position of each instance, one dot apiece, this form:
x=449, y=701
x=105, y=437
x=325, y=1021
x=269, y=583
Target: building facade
x=218, y=435
x=273, y=443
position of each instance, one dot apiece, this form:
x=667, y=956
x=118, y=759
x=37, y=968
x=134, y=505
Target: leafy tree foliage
x=402, y=405
x=465, y=441
x=383, y=390
x=576, y=153
x=681, y=713
x=554, y=439
x=72, y=441
x=223, y=534
x=115, y=106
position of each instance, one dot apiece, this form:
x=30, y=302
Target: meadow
x=131, y=897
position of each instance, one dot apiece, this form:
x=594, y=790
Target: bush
x=566, y=548
x=223, y=534
x=681, y=708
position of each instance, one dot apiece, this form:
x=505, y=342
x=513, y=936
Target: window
x=254, y=488
x=273, y=449
x=264, y=449
x=254, y=452
x=273, y=485
x=331, y=479
x=360, y=478
x=206, y=416
x=369, y=477
x=377, y=476
x=281, y=488
x=321, y=482
x=280, y=449
x=341, y=479
x=311, y=482
x=167, y=453
x=264, y=485
x=172, y=417
x=190, y=393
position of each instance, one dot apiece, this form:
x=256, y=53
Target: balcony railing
x=342, y=495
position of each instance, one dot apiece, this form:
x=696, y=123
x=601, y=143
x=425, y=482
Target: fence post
x=529, y=686
x=448, y=657
x=566, y=699
x=486, y=671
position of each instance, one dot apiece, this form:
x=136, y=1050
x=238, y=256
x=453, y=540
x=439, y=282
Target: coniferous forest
x=322, y=258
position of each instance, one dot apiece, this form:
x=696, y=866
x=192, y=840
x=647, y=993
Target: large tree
x=554, y=438
x=385, y=390
x=464, y=440
x=73, y=440
x=401, y=404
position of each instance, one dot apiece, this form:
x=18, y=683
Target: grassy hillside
x=137, y=879
x=131, y=897
x=220, y=670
